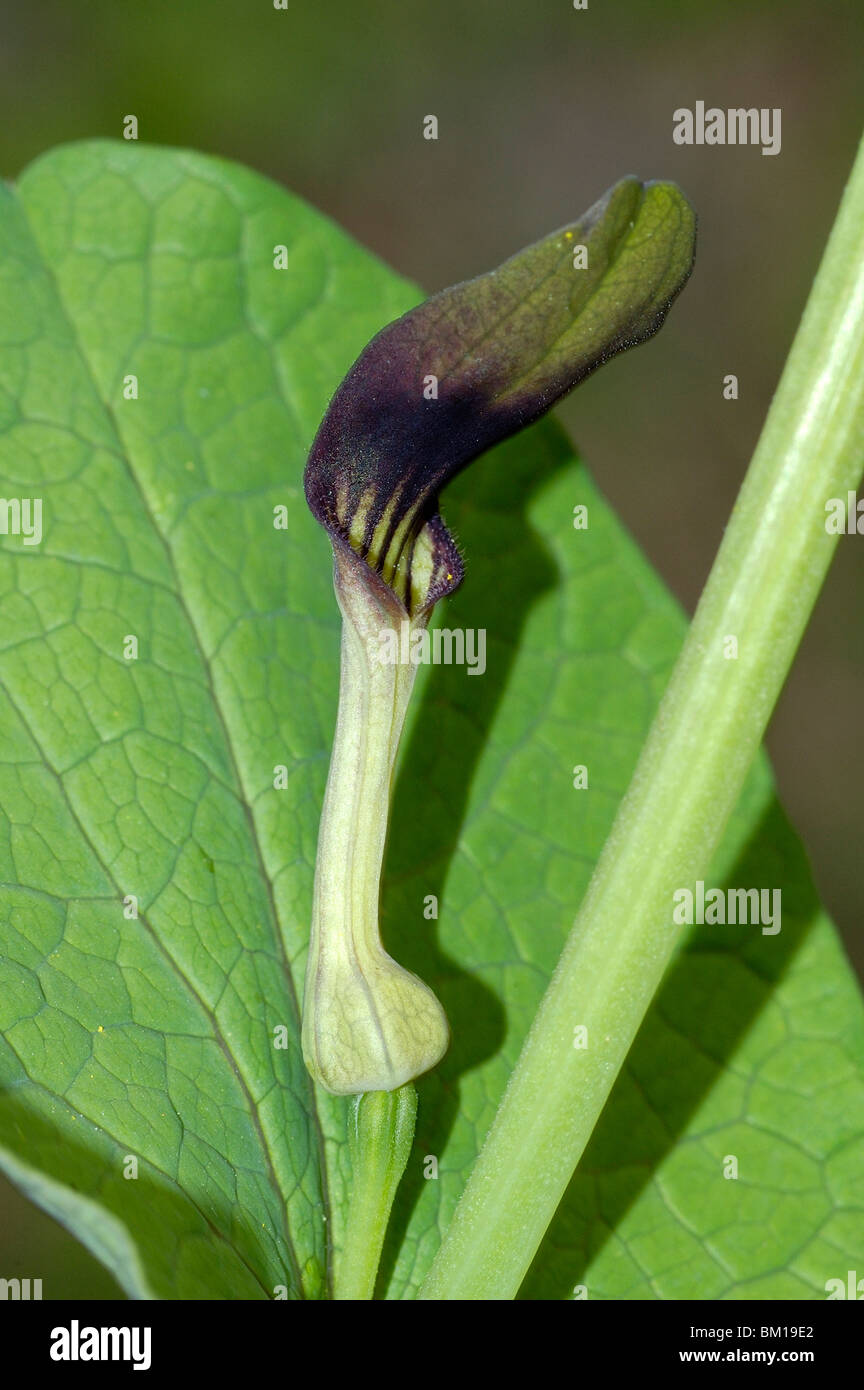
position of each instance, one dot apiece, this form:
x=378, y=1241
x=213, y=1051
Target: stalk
x=380, y=1135
x=711, y=721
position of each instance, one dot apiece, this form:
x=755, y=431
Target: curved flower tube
x=430, y=393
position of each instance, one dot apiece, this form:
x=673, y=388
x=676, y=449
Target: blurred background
x=540, y=108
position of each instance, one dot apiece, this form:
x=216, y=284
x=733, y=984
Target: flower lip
x=478, y=362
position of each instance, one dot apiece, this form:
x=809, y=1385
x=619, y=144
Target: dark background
x=540, y=108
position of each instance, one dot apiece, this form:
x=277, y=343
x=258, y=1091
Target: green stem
x=380, y=1135
x=711, y=721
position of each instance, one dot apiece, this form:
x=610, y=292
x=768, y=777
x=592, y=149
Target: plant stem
x=380, y=1135
x=707, y=731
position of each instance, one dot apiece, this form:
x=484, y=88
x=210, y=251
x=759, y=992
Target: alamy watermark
x=20, y=1290
x=728, y=907
x=77, y=1343
x=850, y=1287
x=21, y=516
x=845, y=516
x=738, y=125
x=443, y=647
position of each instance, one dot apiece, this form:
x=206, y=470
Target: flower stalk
x=761, y=589
x=380, y=1135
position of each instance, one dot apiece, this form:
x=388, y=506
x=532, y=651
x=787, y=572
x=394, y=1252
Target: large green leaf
x=155, y=1037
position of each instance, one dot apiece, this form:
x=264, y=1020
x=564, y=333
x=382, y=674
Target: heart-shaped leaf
x=164, y=367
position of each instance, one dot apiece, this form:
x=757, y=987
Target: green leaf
x=154, y=1037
